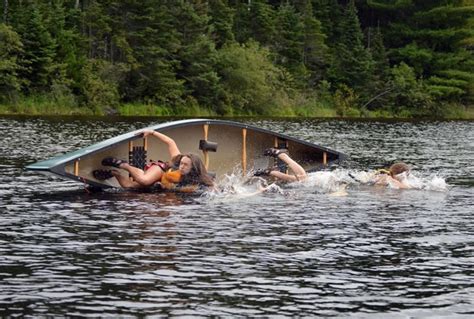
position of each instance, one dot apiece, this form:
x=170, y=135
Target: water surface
x=377, y=252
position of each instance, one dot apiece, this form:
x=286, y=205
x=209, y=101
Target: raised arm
x=172, y=147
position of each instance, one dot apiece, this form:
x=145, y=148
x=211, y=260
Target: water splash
x=333, y=183
x=235, y=186
x=414, y=180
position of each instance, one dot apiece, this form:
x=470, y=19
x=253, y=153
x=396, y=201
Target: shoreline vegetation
x=233, y=58
x=44, y=107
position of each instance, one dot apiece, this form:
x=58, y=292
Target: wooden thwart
x=205, y=152
x=244, y=151
x=76, y=167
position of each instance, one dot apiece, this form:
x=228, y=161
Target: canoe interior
x=239, y=151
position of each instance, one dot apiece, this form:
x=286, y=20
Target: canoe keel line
x=224, y=146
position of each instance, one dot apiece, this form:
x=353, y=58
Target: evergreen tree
x=330, y=14
x=255, y=20
x=5, y=11
x=37, y=61
x=315, y=50
x=380, y=80
x=70, y=48
x=289, y=37
x=221, y=21
x=10, y=48
x=197, y=53
x=149, y=48
x=429, y=36
x=352, y=64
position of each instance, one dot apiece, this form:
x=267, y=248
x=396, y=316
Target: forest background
x=362, y=58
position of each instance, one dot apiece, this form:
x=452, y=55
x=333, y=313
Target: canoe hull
x=240, y=148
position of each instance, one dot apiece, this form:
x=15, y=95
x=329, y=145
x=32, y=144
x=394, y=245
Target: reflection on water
x=292, y=251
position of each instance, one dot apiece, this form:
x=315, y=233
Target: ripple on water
x=294, y=251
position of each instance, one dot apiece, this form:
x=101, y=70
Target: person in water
x=396, y=176
x=298, y=172
x=185, y=172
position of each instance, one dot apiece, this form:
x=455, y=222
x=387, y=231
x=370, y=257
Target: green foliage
x=221, y=22
x=352, y=64
x=315, y=51
x=37, y=60
x=238, y=57
x=409, y=92
x=251, y=82
x=289, y=39
x=10, y=48
x=380, y=78
x=255, y=20
x=345, y=100
x=197, y=56
x=431, y=36
x=100, y=85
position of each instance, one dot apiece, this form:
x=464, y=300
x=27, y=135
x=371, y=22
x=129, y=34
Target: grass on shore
x=43, y=106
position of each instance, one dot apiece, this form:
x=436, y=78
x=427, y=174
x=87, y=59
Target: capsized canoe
x=225, y=147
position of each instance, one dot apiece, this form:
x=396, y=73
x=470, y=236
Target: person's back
x=395, y=177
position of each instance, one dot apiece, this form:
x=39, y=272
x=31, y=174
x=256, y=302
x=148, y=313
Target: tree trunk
x=5, y=11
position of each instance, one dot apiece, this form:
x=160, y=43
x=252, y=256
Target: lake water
x=295, y=251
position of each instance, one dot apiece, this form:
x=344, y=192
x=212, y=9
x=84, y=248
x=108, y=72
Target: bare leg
x=299, y=173
x=125, y=182
x=142, y=178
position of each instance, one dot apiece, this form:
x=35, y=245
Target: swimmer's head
x=399, y=168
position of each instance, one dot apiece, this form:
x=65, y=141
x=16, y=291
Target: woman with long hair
x=185, y=172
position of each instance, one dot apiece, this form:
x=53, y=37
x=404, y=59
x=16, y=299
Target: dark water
x=377, y=252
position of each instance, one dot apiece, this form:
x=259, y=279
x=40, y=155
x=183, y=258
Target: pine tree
x=37, y=61
x=221, y=22
x=352, y=64
x=255, y=20
x=429, y=36
x=289, y=37
x=10, y=48
x=70, y=50
x=197, y=53
x=315, y=50
x=330, y=14
x=148, y=44
x=5, y=11
x=380, y=80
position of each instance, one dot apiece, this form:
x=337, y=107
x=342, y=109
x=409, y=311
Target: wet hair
x=198, y=173
x=399, y=168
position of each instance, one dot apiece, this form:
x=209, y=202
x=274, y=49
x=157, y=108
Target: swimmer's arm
x=398, y=184
x=382, y=179
x=172, y=147
x=287, y=177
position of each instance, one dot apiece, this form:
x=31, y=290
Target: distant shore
x=137, y=109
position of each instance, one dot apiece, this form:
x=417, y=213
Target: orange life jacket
x=170, y=178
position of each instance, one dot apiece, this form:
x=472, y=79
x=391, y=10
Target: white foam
x=414, y=180
x=236, y=187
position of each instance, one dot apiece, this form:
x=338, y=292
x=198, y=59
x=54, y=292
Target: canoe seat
x=137, y=156
x=209, y=146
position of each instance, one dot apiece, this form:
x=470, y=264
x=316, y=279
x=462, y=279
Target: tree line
x=238, y=57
